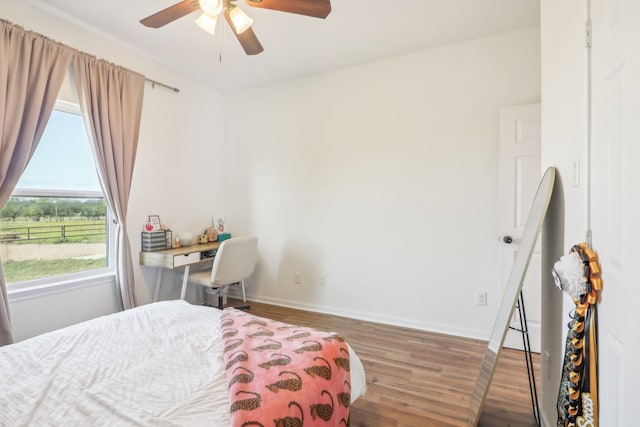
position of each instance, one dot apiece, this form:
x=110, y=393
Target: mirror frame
x=512, y=291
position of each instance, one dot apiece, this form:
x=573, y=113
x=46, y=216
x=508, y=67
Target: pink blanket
x=284, y=375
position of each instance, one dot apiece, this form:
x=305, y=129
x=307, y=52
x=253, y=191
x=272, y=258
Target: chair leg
x=220, y=293
x=220, y=299
x=244, y=298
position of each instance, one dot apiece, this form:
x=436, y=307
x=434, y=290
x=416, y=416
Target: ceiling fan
x=235, y=17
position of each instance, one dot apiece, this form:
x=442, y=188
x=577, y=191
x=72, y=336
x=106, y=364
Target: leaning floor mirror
x=511, y=294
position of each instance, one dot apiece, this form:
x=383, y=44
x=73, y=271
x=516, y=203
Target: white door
x=519, y=175
x=615, y=203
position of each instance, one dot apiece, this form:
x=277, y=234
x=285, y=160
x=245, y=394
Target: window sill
x=36, y=289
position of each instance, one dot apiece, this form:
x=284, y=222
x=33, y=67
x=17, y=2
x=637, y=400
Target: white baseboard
x=368, y=316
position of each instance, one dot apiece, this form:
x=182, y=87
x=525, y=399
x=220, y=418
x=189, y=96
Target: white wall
x=178, y=172
x=384, y=178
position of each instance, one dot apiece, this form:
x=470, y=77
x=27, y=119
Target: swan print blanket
x=284, y=375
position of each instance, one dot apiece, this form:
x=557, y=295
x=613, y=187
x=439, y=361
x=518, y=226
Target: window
x=55, y=227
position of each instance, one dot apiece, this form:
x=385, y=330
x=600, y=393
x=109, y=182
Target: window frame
x=81, y=278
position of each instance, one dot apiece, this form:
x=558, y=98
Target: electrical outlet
x=297, y=278
x=481, y=298
x=323, y=280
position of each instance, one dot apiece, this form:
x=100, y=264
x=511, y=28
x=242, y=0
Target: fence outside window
x=53, y=233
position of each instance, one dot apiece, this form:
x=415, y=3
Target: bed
x=171, y=363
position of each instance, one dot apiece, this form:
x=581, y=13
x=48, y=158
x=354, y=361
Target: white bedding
x=155, y=365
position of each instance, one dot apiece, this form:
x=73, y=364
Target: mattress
x=156, y=365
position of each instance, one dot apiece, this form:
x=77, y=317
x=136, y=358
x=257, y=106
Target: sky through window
x=63, y=159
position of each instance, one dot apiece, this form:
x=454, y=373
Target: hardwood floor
x=422, y=379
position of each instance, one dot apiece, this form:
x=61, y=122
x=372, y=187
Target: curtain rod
x=154, y=83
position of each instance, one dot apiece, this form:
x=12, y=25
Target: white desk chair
x=234, y=262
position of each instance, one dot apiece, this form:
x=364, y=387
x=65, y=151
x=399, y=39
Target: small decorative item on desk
x=220, y=224
x=203, y=239
x=186, y=238
x=223, y=236
x=211, y=233
x=154, y=220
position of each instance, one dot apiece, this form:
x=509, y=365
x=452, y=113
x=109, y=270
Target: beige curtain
x=111, y=103
x=32, y=69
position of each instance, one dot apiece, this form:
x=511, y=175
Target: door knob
x=507, y=239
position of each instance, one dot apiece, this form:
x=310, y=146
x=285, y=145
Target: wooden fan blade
x=247, y=38
x=171, y=13
x=313, y=8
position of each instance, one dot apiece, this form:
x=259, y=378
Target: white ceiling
x=356, y=31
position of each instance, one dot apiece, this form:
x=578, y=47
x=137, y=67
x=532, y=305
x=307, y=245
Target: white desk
x=172, y=259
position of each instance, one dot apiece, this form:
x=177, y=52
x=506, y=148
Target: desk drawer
x=180, y=260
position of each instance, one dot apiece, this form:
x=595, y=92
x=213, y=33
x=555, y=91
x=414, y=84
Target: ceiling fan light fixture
x=241, y=21
x=211, y=7
x=207, y=23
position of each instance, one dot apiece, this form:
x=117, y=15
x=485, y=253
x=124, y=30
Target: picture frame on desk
x=154, y=220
